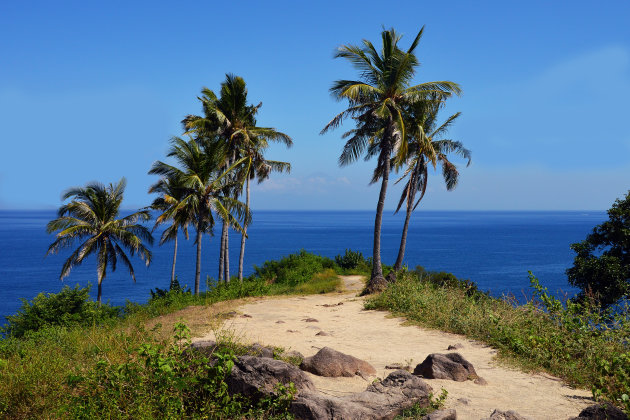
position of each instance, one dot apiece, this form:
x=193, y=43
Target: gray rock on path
x=331, y=363
x=506, y=415
x=381, y=400
x=602, y=411
x=449, y=414
x=455, y=346
x=256, y=377
x=451, y=366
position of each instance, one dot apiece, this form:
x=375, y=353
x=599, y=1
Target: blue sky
x=94, y=92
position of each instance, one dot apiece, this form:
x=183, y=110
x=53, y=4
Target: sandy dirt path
x=382, y=340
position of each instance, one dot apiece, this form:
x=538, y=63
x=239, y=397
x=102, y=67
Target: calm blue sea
x=494, y=249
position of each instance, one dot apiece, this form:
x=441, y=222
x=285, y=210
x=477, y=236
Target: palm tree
x=377, y=102
x=91, y=217
x=427, y=147
x=204, y=178
x=233, y=120
x=172, y=193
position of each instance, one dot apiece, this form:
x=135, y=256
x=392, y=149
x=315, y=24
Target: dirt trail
x=382, y=340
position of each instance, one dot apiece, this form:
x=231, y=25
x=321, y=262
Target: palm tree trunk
x=100, y=285
x=198, y=267
x=244, y=235
x=403, y=239
x=222, y=254
x=227, y=253
x=174, y=260
x=377, y=281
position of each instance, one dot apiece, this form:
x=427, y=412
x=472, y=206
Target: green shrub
x=159, y=380
x=70, y=306
x=293, y=269
x=350, y=260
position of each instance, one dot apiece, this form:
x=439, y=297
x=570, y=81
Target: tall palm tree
x=376, y=102
x=171, y=193
x=92, y=217
x=204, y=178
x=233, y=120
x=426, y=148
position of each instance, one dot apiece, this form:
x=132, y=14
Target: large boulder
x=256, y=377
x=331, y=363
x=382, y=400
x=451, y=366
x=604, y=411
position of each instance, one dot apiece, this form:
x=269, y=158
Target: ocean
x=495, y=249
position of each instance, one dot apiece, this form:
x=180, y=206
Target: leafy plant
x=350, y=260
x=71, y=306
x=602, y=265
x=293, y=269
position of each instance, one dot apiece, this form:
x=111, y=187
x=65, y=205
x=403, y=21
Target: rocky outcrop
x=331, y=363
x=381, y=400
x=603, y=411
x=255, y=377
x=451, y=366
x=506, y=415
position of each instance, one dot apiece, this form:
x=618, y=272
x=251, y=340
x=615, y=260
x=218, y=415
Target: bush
x=602, y=265
x=69, y=307
x=293, y=269
x=164, y=381
x=350, y=260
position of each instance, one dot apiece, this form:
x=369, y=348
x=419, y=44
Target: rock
x=464, y=401
x=481, y=381
x=323, y=333
x=381, y=400
x=280, y=322
x=455, y=346
x=446, y=366
x=310, y=320
x=331, y=363
x=295, y=355
x=449, y=414
x=206, y=347
x=256, y=377
x=330, y=305
x=395, y=366
x=292, y=331
x=246, y=316
x=505, y=415
x=259, y=350
x=602, y=411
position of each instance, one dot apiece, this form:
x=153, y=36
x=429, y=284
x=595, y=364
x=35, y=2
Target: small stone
x=310, y=320
x=449, y=414
x=481, y=381
x=292, y=331
x=455, y=346
x=463, y=401
x=323, y=333
x=246, y=316
x=280, y=322
x=395, y=366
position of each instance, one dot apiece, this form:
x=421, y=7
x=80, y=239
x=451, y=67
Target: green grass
x=114, y=367
x=582, y=346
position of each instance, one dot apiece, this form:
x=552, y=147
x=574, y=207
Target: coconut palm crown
x=377, y=102
x=91, y=217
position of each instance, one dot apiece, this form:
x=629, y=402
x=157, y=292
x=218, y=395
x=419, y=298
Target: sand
x=382, y=340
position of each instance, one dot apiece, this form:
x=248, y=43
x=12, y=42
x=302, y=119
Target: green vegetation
x=91, y=217
x=64, y=356
x=581, y=344
x=378, y=102
x=67, y=308
x=601, y=268
x=417, y=411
